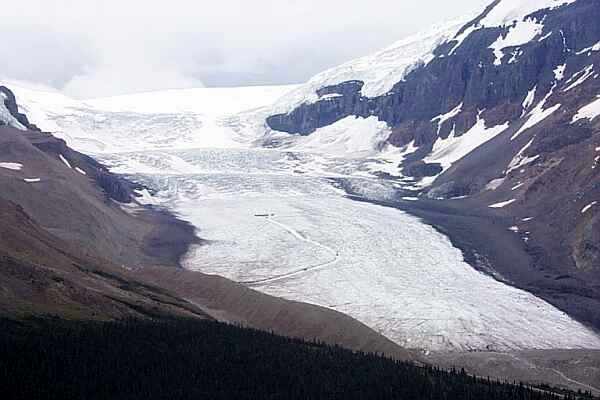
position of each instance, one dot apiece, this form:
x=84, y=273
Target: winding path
x=299, y=236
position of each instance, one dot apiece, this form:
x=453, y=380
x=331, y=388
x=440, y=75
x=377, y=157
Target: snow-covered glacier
x=278, y=220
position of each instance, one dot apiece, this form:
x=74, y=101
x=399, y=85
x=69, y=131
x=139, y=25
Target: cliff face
x=521, y=95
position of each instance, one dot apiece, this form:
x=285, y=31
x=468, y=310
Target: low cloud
x=98, y=48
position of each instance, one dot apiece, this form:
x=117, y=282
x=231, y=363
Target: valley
x=280, y=221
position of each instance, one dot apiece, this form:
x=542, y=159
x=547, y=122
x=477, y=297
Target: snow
x=546, y=36
x=502, y=204
x=517, y=187
x=82, y=172
x=389, y=159
x=187, y=118
x=559, y=72
x=379, y=71
x=590, y=49
x=514, y=229
x=6, y=117
x=527, y=219
x=32, y=180
x=453, y=148
x=521, y=33
x=537, y=115
x=494, y=184
x=508, y=11
x=460, y=38
x=528, y=102
x=11, y=166
x=520, y=160
x=590, y=112
x=445, y=117
x=65, y=161
x=514, y=14
x=348, y=136
x=588, y=207
x=330, y=96
x=583, y=76
x=144, y=197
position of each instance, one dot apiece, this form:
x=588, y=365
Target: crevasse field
x=279, y=221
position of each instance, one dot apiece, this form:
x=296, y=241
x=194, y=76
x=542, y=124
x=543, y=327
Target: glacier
x=279, y=221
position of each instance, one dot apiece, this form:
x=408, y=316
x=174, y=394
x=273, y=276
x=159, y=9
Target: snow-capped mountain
x=499, y=113
x=494, y=113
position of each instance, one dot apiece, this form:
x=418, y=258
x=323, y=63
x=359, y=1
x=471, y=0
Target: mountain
x=496, y=116
x=377, y=193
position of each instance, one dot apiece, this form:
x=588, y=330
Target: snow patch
x=11, y=165
x=448, y=151
x=445, y=117
x=508, y=11
x=32, y=180
x=64, y=160
x=537, y=115
x=520, y=160
x=528, y=102
x=348, y=136
x=522, y=32
x=584, y=74
x=588, y=207
x=502, y=204
x=559, y=72
x=590, y=49
x=546, y=36
x=590, y=112
x=494, y=184
x=82, y=172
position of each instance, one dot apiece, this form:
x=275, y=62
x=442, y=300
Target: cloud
x=92, y=48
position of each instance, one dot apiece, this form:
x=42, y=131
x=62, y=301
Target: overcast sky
x=93, y=48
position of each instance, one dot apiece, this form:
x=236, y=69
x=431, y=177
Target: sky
x=97, y=48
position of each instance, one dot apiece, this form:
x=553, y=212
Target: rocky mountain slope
x=495, y=116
